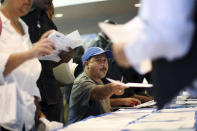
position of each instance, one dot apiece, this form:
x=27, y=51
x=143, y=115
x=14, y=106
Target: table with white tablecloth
x=176, y=117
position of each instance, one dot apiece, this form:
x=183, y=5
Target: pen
x=121, y=79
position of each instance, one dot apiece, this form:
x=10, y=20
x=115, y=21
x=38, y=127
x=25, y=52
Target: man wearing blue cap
x=89, y=96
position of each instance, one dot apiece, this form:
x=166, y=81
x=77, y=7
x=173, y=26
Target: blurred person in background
x=163, y=32
x=39, y=20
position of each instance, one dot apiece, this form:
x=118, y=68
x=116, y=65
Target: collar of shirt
x=85, y=74
x=6, y=22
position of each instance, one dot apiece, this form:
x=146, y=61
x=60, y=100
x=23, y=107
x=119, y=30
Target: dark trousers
x=53, y=112
x=3, y=129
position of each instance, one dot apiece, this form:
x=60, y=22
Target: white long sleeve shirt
x=165, y=29
x=24, y=76
x=11, y=42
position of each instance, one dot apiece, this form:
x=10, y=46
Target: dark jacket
x=171, y=77
x=49, y=89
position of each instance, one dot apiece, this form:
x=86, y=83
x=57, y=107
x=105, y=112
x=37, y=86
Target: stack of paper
x=111, y=122
x=62, y=43
x=165, y=120
x=146, y=104
x=139, y=120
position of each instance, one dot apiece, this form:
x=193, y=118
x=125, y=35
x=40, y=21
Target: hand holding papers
x=130, y=84
x=120, y=35
x=62, y=42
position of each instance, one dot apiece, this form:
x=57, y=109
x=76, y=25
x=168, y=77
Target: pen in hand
x=122, y=79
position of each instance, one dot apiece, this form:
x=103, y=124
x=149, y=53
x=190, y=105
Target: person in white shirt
x=158, y=29
x=163, y=29
x=18, y=57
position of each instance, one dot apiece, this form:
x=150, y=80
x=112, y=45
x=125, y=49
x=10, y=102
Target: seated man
x=89, y=96
x=116, y=72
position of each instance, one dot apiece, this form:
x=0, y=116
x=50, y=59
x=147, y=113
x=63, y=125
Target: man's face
x=42, y=4
x=98, y=66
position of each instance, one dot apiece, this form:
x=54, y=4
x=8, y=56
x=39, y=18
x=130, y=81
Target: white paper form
x=167, y=119
x=191, y=109
x=110, y=122
x=62, y=42
x=146, y=104
x=144, y=85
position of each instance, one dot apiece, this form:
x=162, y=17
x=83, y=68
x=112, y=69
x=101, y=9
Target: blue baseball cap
x=93, y=51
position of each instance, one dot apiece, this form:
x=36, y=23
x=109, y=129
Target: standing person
x=39, y=22
x=19, y=61
x=164, y=32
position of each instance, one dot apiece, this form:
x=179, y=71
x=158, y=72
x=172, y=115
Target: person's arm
x=162, y=29
x=65, y=57
x=116, y=102
x=14, y=61
x=143, y=98
x=43, y=47
x=101, y=92
x=39, y=49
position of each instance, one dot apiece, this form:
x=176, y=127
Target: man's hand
x=117, y=89
x=40, y=48
x=143, y=98
x=131, y=101
x=116, y=102
x=46, y=34
x=66, y=56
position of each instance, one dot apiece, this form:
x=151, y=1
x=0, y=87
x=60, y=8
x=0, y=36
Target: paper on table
x=130, y=84
x=165, y=121
x=161, y=126
x=181, y=110
x=146, y=104
x=138, y=120
x=112, y=122
x=61, y=41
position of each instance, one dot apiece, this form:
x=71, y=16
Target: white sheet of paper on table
x=140, y=85
x=146, y=104
x=62, y=42
x=139, y=120
x=111, y=122
x=165, y=121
